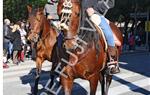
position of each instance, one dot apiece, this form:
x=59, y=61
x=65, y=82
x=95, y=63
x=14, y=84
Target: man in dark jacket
x=96, y=9
x=6, y=41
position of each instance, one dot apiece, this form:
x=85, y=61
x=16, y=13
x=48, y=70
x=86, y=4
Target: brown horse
x=45, y=36
x=91, y=63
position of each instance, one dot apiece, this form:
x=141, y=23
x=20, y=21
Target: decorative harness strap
x=66, y=14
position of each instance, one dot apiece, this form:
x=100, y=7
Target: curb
x=134, y=52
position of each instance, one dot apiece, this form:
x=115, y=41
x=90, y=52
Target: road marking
x=129, y=86
x=14, y=76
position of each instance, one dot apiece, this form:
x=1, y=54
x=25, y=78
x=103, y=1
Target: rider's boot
x=113, y=65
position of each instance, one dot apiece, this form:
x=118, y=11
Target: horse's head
x=35, y=18
x=69, y=13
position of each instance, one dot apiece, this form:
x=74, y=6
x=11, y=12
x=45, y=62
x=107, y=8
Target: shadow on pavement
x=137, y=63
x=45, y=76
x=131, y=85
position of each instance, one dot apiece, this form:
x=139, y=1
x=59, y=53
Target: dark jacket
x=16, y=40
x=6, y=33
x=101, y=6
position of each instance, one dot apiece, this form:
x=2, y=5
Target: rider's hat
x=52, y=1
x=49, y=1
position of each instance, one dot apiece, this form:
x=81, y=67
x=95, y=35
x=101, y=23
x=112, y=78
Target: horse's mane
x=35, y=10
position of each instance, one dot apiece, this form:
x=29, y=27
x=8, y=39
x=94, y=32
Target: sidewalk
x=141, y=49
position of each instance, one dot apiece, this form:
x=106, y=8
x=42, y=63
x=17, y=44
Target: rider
x=50, y=11
x=96, y=9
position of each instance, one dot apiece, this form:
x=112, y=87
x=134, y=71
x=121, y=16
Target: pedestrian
x=96, y=9
x=16, y=40
x=6, y=41
x=131, y=42
x=23, y=34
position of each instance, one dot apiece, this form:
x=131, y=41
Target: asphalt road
x=134, y=78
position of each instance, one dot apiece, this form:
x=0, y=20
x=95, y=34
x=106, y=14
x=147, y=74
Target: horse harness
x=64, y=22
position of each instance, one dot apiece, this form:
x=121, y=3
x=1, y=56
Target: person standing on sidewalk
x=23, y=41
x=6, y=41
x=16, y=40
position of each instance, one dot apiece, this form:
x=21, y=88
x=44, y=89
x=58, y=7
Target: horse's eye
x=77, y=14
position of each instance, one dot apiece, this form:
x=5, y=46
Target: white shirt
x=23, y=33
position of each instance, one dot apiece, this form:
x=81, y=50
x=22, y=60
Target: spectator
x=6, y=41
x=10, y=44
x=23, y=41
x=131, y=42
x=138, y=40
x=27, y=26
x=16, y=40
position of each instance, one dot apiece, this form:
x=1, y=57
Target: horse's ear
x=41, y=9
x=29, y=7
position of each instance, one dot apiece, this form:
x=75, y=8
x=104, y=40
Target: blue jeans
x=10, y=50
x=107, y=31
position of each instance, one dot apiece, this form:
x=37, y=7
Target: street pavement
x=134, y=78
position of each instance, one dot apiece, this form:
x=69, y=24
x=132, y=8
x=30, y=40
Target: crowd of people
x=15, y=45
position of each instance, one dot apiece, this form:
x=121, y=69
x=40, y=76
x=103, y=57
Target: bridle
x=36, y=35
x=66, y=14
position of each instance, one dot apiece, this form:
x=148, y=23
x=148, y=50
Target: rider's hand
x=49, y=17
x=90, y=11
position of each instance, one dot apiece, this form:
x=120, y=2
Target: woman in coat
x=16, y=40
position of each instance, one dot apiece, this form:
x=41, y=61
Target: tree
x=16, y=9
x=125, y=7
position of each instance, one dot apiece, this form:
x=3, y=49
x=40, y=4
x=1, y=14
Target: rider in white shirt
x=50, y=11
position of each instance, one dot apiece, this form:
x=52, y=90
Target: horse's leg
x=67, y=84
x=93, y=84
x=54, y=60
x=53, y=74
x=105, y=83
x=108, y=82
x=39, y=62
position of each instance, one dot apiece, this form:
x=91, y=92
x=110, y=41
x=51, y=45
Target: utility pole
x=135, y=18
x=147, y=32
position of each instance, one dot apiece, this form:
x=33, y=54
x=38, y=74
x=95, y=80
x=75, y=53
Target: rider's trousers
x=107, y=31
